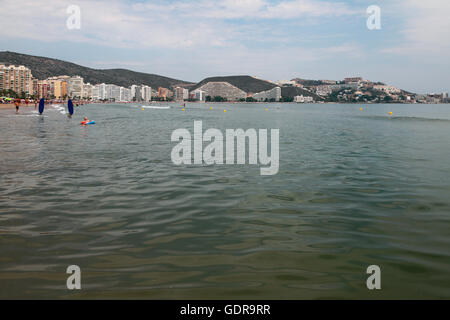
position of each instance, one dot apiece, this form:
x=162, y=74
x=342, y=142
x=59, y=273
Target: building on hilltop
x=354, y=79
x=323, y=90
x=286, y=82
x=387, y=89
x=328, y=81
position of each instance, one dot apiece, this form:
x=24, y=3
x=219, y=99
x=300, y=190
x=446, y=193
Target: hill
x=43, y=68
x=296, y=91
x=245, y=83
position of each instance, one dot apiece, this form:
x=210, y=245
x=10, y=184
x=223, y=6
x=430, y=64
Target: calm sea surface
x=355, y=188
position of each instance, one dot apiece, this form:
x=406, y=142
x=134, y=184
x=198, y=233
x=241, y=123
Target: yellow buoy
x=210, y=108
x=390, y=113
x=182, y=109
x=142, y=109
x=361, y=109
x=267, y=109
x=224, y=110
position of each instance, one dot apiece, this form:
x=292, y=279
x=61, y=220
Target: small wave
x=60, y=108
x=23, y=115
x=155, y=107
x=404, y=118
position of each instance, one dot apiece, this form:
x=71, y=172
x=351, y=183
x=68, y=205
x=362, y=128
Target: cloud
x=160, y=24
x=426, y=29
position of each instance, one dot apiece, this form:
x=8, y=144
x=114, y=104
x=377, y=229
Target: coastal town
x=17, y=82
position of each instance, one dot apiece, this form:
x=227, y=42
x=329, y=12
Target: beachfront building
x=273, y=94
x=198, y=95
x=99, y=92
x=163, y=93
x=125, y=94
x=138, y=93
x=181, y=94
x=43, y=89
x=16, y=78
x=303, y=99
x=133, y=91
x=112, y=92
x=56, y=88
x=146, y=93
x=224, y=90
x=88, y=90
x=76, y=84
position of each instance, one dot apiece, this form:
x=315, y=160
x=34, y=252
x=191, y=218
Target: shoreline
x=13, y=106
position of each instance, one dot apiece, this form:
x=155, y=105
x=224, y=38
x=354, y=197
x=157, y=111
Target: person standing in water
x=17, y=103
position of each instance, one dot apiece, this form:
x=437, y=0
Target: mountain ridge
x=44, y=67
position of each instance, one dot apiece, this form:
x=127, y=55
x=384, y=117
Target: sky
x=270, y=39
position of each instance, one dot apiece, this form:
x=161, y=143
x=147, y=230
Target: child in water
x=86, y=120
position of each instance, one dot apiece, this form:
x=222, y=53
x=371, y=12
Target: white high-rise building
x=181, y=94
x=198, y=95
x=146, y=93
x=88, y=91
x=138, y=93
x=99, y=92
x=76, y=85
x=112, y=92
x=133, y=91
x=125, y=94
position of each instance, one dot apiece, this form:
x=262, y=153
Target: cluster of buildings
x=20, y=80
x=355, y=89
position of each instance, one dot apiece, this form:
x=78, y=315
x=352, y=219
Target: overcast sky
x=270, y=39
